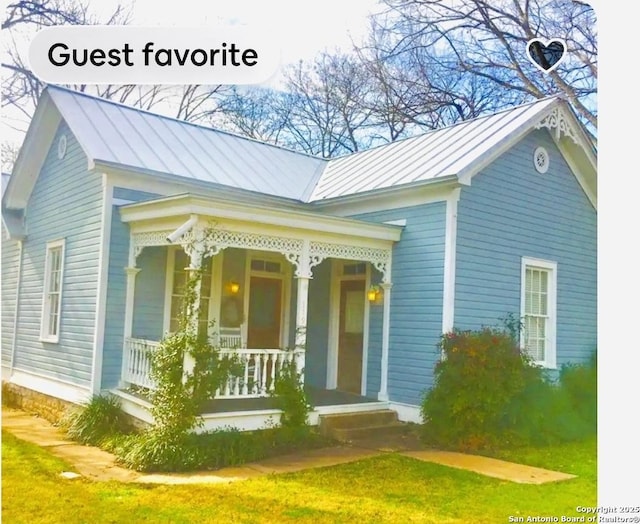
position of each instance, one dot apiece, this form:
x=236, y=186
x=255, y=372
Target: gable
x=118, y=139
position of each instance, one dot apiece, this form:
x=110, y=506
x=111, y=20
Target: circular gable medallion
x=541, y=160
x=62, y=146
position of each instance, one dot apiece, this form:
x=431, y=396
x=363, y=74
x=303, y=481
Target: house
x=354, y=266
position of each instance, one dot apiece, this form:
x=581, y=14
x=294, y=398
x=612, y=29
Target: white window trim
x=45, y=336
x=168, y=290
x=286, y=276
x=552, y=268
x=337, y=277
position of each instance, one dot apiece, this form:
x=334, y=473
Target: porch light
x=234, y=287
x=373, y=293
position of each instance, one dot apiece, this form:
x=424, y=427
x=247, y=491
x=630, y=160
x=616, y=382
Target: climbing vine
x=181, y=391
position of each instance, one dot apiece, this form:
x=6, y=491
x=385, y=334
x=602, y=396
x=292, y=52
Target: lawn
x=388, y=488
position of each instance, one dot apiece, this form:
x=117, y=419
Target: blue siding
x=317, y=325
x=416, y=304
x=510, y=211
x=148, y=304
x=65, y=203
x=117, y=288
x=10, y=254
x=116, y=299
x=134, y=195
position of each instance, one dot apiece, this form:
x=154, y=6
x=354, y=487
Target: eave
x=218, y=209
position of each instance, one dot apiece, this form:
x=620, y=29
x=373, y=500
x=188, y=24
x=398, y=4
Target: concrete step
x=361, y=419
x=390, y=432
x=356, y=426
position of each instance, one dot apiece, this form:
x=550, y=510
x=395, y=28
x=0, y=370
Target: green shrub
x=210, y=450
x=580, y=382
x=94, y=422
x=291, y=398
x=488, y=394
x=475, y=383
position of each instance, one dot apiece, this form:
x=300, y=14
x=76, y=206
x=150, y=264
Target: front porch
x=283, y=287
x=257, y=412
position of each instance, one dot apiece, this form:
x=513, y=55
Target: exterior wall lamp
x=234, y=287
x=373, y=293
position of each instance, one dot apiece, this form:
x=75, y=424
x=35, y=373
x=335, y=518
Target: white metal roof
x=113, y=133
x=434, y=155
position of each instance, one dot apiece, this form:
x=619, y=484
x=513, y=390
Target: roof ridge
x=174, y=119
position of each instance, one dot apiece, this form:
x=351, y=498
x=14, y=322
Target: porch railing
x=136, y=369
x=254, y=370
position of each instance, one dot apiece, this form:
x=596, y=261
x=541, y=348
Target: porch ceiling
x=169, y=212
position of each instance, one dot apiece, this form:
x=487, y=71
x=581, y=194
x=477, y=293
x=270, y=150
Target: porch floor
x=317, y=397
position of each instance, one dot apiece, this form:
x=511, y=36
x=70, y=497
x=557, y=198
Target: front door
x=350, y=335
x=265, y=313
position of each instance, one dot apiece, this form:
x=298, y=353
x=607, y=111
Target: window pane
x=179, y=282
x=272, y=267
x=354, y=269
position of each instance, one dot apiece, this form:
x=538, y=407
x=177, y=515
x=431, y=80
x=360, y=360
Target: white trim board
x=103, y=278
x=450, y=247
x=50, y=386
x=406, y=412
x=336, y=279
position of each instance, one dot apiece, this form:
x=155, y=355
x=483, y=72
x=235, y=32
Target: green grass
x=388, y=488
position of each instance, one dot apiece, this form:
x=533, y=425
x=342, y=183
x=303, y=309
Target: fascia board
x=188, y=204
x=32, y=154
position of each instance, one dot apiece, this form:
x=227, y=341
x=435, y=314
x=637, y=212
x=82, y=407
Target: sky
x=306, y=27
x=303, y=28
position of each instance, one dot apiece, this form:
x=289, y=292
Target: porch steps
x=348, y=427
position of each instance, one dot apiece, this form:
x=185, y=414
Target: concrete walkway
x=96, y=464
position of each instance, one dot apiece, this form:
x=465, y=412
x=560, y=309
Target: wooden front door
x=265, y=312
x=350, y=335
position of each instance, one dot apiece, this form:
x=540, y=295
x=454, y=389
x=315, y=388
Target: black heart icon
x=546, y=56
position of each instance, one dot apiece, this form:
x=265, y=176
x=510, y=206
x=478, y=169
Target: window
x=52, y=292
x=179, y=281
x=538, y=310
x=354, y=269
x=267, y=266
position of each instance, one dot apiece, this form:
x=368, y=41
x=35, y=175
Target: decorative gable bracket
x=559, y=121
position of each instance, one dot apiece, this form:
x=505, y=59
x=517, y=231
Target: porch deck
x=317, y=397
x=255, y=412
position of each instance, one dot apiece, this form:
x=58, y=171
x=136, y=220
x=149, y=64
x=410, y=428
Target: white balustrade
x=137, y=365
x=254, y=370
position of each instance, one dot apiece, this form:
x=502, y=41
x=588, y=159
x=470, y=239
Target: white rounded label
x=153, y=55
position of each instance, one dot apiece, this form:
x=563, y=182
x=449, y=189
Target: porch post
x=131, y=272
x=195, y=253
x=303, y=274
x=383, y=394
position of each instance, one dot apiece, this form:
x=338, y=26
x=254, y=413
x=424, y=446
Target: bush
x=580, y=382
x=98, y=420
x=476, y=381
x=211, y=450
x=487, y=394
x=291, y=398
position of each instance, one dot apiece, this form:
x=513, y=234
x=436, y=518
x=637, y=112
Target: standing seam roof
x=121, y=135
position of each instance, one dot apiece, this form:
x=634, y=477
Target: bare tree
x=328, y=115
x=487, y=41
x=258, y=113
x=21, y=89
